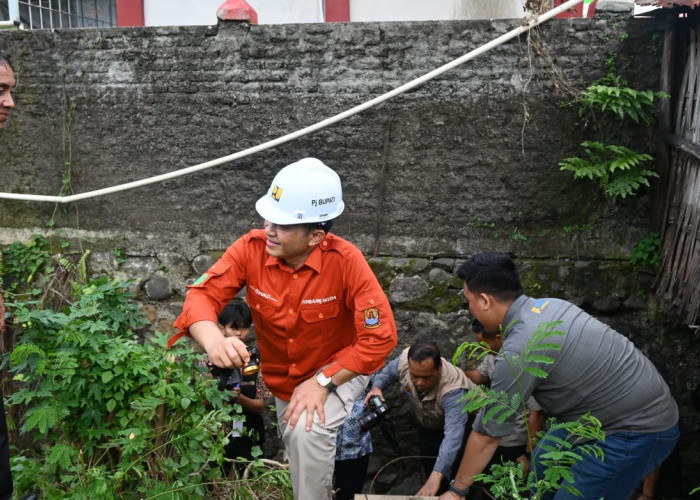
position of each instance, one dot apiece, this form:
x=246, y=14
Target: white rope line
x=306, y=130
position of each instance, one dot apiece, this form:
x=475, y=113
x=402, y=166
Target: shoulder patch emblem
x=372, y=318
x=539, y=306
x=201, y=279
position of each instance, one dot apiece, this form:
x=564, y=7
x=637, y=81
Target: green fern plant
x=619, y=171
x=611, y=94
x=622, y=101
x=605, y=106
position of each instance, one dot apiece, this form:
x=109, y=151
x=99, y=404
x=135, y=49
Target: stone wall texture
x=463, y=163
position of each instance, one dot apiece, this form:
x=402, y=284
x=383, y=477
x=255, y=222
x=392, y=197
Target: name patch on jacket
x=322, y=300
x=372, y=318
x=262, y=294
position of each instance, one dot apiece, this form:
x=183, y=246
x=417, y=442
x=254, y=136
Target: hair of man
x=325, y=226
x=236, y=315
x=420, y=351
x=5, y=60
x=492, y=273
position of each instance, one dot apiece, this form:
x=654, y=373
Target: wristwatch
x=454, y=489
x=325, y=382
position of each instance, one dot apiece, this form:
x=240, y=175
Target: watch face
x=322, y=379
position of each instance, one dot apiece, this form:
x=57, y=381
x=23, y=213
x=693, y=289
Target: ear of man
x=316, y=236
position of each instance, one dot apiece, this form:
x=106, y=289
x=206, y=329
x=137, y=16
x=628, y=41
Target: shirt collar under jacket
x=314, y=260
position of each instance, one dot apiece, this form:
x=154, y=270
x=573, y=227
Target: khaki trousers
x=311, y=454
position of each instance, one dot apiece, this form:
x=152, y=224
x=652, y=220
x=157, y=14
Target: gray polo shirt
x=597, y=370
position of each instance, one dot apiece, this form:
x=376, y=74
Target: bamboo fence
x=678, y=281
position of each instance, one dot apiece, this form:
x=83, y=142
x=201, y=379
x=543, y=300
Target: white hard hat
x=304, y=192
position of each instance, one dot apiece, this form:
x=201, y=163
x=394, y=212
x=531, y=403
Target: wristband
x=454, y=489
x=325, y=382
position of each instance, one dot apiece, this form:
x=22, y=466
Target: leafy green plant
x=646, y=252
x=560, y=451
x=518, y=236
x=107, y=415
x=21, y=263
x=620, y=100
x=618, y=170
x=481, y=224
x=119, y=255
x=604, y=106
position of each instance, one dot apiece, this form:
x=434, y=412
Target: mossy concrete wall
x=465, y=163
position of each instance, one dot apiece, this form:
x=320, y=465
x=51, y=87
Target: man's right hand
x=374, y=391
x=224, y=352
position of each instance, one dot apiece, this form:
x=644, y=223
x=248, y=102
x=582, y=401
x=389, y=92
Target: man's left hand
x=431, y=486
x=310, y=397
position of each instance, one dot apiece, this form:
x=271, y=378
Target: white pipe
x=306, y=130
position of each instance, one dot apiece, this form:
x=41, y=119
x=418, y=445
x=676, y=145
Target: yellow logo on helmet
x=276, y=193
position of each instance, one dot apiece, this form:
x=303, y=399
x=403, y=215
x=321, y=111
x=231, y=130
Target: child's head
x=235, y=321
x=494, y=341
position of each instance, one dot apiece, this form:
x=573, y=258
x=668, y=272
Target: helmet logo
x=276, y=193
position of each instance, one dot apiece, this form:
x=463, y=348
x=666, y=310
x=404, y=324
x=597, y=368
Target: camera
x=230, y=378
x=377, y=409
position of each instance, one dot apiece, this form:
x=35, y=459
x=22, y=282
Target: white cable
x=306, y=130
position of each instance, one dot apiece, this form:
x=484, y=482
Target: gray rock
x=138, y=269
x=201, y=263
x=635, y=302
x=607, y=304
x=102, y=263
x=436, y=275
x=444, y=263
x=406, y=288
x=158, y=287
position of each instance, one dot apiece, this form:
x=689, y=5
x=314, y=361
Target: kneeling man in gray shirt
x=596, y=370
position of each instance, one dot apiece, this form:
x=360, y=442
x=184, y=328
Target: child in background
x=235, y=321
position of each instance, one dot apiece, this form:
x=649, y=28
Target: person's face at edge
x=7, y=86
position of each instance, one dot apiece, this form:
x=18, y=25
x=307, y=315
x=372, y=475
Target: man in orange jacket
x=322, y=321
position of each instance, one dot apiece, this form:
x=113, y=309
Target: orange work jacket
x=331, y=310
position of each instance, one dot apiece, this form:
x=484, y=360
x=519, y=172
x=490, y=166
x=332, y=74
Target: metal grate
x=51, y=14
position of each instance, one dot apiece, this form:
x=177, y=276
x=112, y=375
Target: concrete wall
x=476, y=149
x=465, y=163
